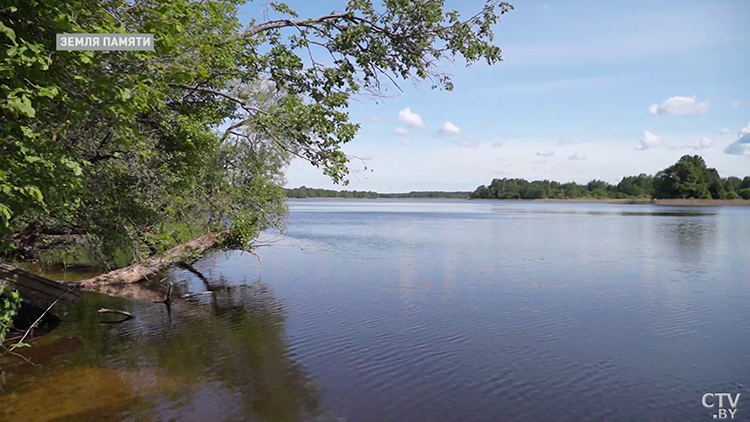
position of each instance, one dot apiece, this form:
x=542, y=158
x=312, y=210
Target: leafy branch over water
x=137, y=151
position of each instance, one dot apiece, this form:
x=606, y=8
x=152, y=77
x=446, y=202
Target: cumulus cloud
x=467, y=143
x=497, y=144
x=401, y=131
x=577, y=156
x=724, y=131
x=742, y=145
x=449, y=129
x=410, y=118
x=546, y=153
x=679, y=106
x=405, y=142
x=702, y=144
x=649, y=141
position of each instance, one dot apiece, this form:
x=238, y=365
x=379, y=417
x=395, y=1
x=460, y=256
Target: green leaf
x=9, y=32
x=35, y=193
x=75, y=167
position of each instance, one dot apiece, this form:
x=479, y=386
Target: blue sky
x=587, y=89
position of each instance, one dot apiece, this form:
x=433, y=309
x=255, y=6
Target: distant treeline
x=688, y=178
x=305, y=192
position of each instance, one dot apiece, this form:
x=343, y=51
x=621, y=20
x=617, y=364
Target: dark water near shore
x=421, y=311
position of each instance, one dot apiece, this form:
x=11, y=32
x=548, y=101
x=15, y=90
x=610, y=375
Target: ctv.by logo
x=710, y=400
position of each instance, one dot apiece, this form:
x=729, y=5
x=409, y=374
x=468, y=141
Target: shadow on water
x=221, y=357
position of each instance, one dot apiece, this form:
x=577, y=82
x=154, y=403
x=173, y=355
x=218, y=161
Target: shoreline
x=620, y=201
x=662, y=202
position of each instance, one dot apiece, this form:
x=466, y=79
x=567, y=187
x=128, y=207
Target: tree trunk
x=150, y=266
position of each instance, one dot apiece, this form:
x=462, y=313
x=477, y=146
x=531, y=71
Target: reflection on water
x=574, y=211
x=205, y=363
x=420, y=311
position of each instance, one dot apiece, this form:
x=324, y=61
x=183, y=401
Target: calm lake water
x=421, y=311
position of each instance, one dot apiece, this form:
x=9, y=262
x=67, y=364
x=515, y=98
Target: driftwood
x=128, y=316
x=192, y=295
x=150, y=266
x=116, y=311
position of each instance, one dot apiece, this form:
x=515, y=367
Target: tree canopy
x=134, y=148
x=688, y=178
x=305, y=192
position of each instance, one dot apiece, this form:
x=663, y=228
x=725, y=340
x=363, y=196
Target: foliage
x=10, y=303
x=305, y=192
x=137, y=150
x=688, y=178
x=428, y=194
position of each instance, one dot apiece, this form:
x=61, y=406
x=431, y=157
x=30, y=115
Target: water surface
x=421, y=310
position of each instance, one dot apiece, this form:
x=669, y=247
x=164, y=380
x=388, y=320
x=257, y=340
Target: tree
x=636, y=186
x=125, y=148
x=732, y=184
x=688, y=178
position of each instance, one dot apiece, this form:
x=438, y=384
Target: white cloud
x=410, y=118
x=467, y=143
x=724, y=131
x=546, y=153
x=649, y=141
x=702, y=144
x=739, y=104
x=577, y=156
x=401, y=131
x=679, y=106
x=405, y=142
x=497, y=144
x=742, y=145
x=449, y=129
x=446, y=166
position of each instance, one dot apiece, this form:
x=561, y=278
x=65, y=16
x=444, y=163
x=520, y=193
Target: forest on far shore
x=687, y=178
x=305, y=192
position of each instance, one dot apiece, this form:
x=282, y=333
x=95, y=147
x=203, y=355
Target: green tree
x=688, y=178
x=151, y=148
x=732, y=184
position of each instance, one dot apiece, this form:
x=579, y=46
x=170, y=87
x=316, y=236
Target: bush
x=732, y=195
x=745, y=193
x=10, y=302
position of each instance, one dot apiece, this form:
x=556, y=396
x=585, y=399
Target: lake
x=416, y=311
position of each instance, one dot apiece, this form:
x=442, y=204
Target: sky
x=586, y=90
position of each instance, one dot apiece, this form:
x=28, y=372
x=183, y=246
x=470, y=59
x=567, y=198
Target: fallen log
x=151, y=266
x=35, y=290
